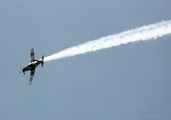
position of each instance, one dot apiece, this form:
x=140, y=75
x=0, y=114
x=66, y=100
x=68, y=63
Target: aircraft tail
x=42, y=60
x=22, y=70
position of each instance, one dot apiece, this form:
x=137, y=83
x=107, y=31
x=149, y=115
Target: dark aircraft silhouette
x=32, y=66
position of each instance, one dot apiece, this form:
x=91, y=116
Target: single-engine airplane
x=32, y=66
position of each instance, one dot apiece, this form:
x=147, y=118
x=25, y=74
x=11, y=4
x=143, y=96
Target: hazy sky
x=115, y=83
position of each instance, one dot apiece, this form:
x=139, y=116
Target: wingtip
x=30, y=83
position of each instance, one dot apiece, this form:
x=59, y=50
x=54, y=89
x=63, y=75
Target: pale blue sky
x=109, y=84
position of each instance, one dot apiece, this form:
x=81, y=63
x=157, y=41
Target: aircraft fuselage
x=32, y=65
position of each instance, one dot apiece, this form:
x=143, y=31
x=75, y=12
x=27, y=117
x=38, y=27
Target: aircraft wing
x=31, y=76
x=32, y=55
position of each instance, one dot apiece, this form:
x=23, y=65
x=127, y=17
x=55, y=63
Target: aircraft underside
x=31, y=67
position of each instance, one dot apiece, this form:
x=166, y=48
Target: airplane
x=32, y=65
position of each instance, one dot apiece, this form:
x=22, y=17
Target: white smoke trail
x=143, y=33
